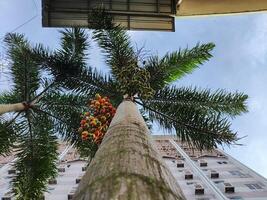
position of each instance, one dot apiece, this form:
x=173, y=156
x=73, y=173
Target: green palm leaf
x=69, y=60
x=8, y=137
x=64, y=110
x=175, y=65
x=114, y=41
x=24, y=70
x=8, y=97
x=37, y=156
x=198, y=117
x=74, y=44
x=192, y=126
x=220, y=101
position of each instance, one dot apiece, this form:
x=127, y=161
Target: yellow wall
x=208, y=7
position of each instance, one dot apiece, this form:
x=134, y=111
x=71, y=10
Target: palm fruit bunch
x=95, y=124
x=134, y=80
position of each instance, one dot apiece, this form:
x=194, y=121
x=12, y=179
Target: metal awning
x=132, y=14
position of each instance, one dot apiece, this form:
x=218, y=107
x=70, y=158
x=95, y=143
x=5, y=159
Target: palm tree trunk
x=126, y=165
x=4, y=108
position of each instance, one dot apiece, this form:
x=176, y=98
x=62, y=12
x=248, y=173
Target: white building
x=206, y=175
x=70, y=170
x=210, y=175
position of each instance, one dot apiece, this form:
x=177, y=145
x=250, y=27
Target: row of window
x=232, y=198
x=228, y=189
x=204, y=163
x=252, y=186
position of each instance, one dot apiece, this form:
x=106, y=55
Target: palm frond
x=67, y=61
x=24, y=69
x=89, y=82
x=114, y=42
x=41, y=53
x=8, y=97
x=177, y=64
x=205, y=101
x=60, y=67
x=64, y=110
x=192, y=126
x=7, y=137
x=37, y=156
x=74, y=44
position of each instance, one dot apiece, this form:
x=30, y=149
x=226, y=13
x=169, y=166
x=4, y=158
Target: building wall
x=248, y=185
x=71, y=168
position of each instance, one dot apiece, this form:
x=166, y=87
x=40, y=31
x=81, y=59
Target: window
x=217, y=182
x=199, y=190
x=236, y=198
x=222, y=162
x=238, y=173
x=190, y=183
x=203, y=163
x=254, y=186
x=229, y=188
x=51, y=188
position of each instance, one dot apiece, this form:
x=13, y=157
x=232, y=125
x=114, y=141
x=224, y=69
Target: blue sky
x=239, y=62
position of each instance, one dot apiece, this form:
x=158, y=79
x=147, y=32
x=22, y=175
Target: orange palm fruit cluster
x=94, y=124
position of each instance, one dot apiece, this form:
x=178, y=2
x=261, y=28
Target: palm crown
x=200, y=117
x=53, y=105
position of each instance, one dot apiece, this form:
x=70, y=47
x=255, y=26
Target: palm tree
x=126, y=165
x=38, y=112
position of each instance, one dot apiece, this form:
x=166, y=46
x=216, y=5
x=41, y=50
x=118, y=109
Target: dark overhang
x=132, y=14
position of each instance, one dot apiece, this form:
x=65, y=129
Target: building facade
x=71, y=168
x=141, y=14
x=207, y=175
x=202, y=175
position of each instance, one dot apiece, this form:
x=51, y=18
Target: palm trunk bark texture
x=126, y=165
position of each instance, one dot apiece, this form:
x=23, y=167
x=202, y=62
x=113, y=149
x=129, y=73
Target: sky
x=239, y=62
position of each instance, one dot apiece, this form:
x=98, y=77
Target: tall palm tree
x=126, y=165
x=35, y=113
